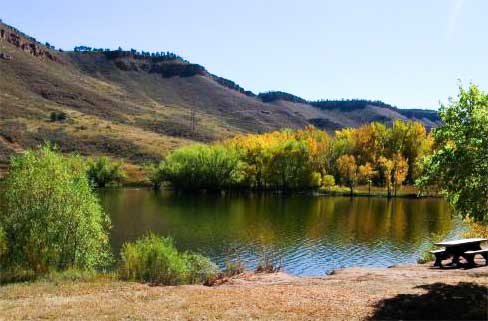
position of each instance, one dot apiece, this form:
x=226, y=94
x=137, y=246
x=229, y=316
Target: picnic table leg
x=438, y=261
x=455, y=259
x=485, y=256
x=470, y=259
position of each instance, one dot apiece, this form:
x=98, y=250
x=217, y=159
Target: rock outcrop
x=28, y=45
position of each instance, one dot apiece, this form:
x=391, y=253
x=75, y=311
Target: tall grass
x=154, y=259
x=425, y=255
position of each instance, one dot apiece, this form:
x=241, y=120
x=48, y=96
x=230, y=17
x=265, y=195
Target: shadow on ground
x=464, y=301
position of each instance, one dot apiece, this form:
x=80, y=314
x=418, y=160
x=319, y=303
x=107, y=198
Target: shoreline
x=315, y=193
x=355, y=293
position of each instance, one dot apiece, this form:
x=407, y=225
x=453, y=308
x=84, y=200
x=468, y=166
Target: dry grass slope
x=129, y=107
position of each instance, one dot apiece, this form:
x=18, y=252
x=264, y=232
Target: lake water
x=311, y=235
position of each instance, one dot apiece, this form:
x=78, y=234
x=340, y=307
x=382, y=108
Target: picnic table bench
x=466, y=248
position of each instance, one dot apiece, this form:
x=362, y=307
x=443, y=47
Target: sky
x=410, y=54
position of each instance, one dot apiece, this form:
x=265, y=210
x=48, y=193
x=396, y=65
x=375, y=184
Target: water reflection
x=313, y=235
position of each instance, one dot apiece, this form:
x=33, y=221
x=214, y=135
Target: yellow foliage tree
x=366, y=173
x=400, y=171
x=386, y=167
x=346, y=165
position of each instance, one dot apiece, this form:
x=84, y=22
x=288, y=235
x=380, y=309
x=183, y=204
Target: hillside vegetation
x=139, y=105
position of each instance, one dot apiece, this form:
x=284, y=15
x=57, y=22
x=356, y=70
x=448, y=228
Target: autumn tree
x=400, y=171
x=366, y=174
x=386, y=168
x=346, y=165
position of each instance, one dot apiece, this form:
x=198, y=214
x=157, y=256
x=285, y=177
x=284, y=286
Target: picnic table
x=466, y=248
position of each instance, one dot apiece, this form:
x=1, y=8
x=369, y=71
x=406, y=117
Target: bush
x=425, y=255
x=156, y=260
x=51, y=217
x=155, y=174
x=328, y=181
x=476, y=229
x=201, y=269
x=234, y=268
x=57, y=116
x=267, y=264
x=102, y=171
x=315, y=180
x=3, y=243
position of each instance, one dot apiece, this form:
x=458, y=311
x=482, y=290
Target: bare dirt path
x=405, y=292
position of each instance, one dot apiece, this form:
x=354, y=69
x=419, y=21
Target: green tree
x=289, y=168
x=51, y=217
x=459, y=164
x=103, y=171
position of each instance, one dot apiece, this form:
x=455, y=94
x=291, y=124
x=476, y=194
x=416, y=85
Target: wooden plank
x=477, y=251
x=461, y=242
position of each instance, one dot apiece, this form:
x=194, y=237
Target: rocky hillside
x=139, y=106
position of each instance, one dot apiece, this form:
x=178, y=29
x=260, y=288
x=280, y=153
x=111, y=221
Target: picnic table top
x=461, y=242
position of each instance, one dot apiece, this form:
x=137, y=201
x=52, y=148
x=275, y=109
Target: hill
x=138, y=105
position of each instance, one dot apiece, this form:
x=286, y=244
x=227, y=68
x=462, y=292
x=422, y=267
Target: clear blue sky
x=407, y=53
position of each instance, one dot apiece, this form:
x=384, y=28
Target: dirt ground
x=406, y=292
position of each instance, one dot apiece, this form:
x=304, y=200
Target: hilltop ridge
x=140, y=105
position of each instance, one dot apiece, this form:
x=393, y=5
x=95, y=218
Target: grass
x=376, y=191
x=15, y=275
x=350, y=294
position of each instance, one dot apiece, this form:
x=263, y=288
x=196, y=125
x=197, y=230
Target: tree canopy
x=459, y=163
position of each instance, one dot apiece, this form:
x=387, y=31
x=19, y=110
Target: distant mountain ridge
x=139, y=105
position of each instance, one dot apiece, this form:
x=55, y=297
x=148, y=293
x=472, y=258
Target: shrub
x=102, y=171
x=201, y=269
x=234, y=267
x=476, y=229
x=315, y=180
x=57, y=116
x=156, y=260
x=3, y=243
x=51, y=217
x=155, y=174
x=328, y=181
x=425, y=255
x=268, y=265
